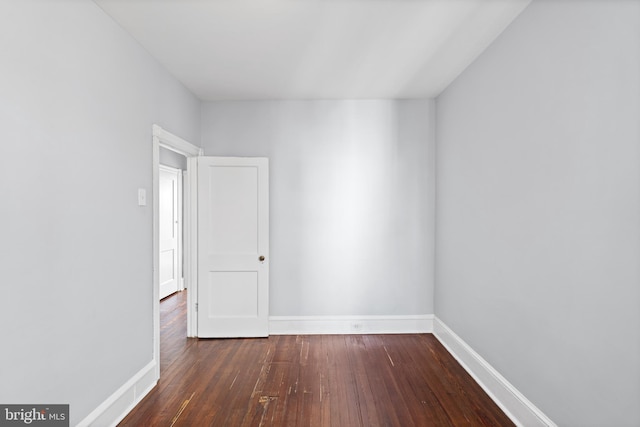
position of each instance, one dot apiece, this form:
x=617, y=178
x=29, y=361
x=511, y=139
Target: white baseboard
x=517, y=407
x=340, y=325
x=119, y=404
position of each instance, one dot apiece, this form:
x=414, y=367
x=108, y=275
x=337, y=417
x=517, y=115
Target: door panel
x=233, y=294
x=233, y=233
x=234, y=222
x=167, y=267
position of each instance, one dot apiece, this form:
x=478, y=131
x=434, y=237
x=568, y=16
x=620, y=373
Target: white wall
x=538, y=209
x=351, y=186
x=77, y=100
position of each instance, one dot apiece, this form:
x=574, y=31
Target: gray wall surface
x=78, y=97
x=172, y=159
x=538, y=209
x=351, y=188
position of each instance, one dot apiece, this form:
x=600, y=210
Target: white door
x=233, y=247
x=169, y=230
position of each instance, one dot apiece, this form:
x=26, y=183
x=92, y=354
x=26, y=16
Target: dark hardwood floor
x=309, y=380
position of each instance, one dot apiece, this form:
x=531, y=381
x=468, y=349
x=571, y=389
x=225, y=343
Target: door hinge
x=196, y=306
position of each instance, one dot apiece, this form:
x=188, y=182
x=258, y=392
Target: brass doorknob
x=261, y=258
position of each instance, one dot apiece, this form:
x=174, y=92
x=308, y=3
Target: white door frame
x=162, y=138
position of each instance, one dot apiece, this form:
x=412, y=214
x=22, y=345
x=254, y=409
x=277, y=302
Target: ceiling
x=314, y=49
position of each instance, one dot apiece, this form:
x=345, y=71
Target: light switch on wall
x=142, y=197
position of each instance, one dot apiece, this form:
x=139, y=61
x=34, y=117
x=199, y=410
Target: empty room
x=383, y=212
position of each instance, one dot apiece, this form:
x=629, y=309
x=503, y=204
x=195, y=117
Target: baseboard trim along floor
x=344, y=325
x=517, y=407
x=123, y=400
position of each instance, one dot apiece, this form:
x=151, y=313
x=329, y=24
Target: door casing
x=165, y=139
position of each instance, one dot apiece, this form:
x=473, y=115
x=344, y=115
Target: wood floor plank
x=314, y=380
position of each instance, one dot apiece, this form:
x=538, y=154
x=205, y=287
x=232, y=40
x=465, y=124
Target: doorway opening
x=170, y=224
x=167, y=141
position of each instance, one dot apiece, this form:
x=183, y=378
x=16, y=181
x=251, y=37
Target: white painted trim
x=156, y=252
x=180, y=231
x=175, y=143
x=326, y=325
x=517, y=407
x=191, y=244
x=119, y=404
x=184, y=240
